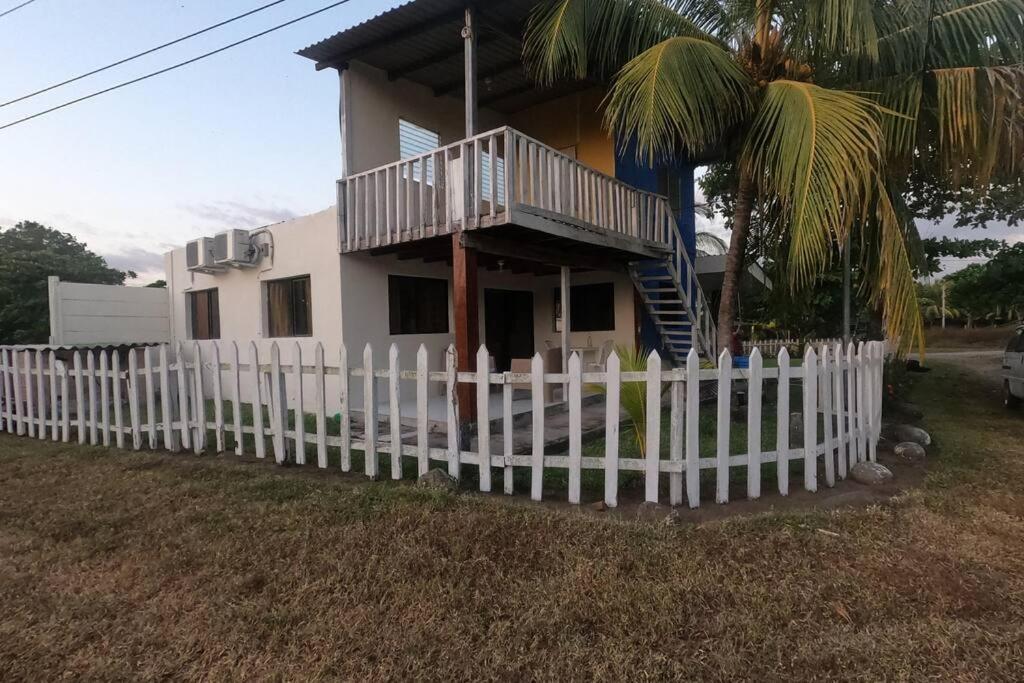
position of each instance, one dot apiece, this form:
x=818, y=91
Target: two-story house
x=475, y=207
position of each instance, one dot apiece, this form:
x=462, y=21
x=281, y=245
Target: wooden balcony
x=500, y=178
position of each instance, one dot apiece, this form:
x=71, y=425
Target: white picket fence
x=840, y=388
x=771, y=347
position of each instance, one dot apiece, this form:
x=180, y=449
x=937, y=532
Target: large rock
x=904, y=433
x=439, y=480
x=908, y=450
x=870, y=473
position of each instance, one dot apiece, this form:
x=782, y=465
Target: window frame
x=212, y=311
x=557, y=309
x=418, y=169
x=268, y=302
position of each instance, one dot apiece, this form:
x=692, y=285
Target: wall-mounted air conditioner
x=234, y=248
x=199, y=256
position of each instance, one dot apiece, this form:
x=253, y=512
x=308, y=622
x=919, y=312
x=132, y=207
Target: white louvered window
x=414, y=141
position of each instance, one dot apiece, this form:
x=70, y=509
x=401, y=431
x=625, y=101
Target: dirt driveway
x=985, y=364
x=984, y=367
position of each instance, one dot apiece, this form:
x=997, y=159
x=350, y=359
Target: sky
x=994, y=230
x=242, y=139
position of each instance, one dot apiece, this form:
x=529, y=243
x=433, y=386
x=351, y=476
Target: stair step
x=663, y=301
x=659, y=290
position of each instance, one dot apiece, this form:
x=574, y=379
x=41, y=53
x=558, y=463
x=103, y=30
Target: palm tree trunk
x=734, y=258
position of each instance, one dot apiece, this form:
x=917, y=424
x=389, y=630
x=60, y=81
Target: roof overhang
x=421, y=41
x=711, y=273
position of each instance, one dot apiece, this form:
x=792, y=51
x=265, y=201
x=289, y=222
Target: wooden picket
x=169, y=396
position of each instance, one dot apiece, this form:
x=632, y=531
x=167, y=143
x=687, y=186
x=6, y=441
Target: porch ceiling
x=422, y=42
x=516, y=249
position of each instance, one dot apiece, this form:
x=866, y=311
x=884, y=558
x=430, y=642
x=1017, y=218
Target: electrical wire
x=136, y=56
x=16, y=7
x=173, y=66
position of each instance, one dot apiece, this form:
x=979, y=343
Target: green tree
x=29, y=253
x=992, y=291
x=824, y=108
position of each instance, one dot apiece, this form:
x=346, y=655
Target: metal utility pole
x=943, y=305
x=469, y=40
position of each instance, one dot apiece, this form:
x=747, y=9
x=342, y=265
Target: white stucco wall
x=303, y=246
x=376, y=104
x=364, y=294
x=350, y=302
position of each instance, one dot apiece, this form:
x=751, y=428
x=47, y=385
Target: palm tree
x=710, y=244
x=824, y=107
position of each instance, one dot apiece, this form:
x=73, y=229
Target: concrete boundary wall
x=107, y=314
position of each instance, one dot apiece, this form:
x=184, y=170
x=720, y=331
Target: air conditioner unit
x=234, y=248
x=199, y=256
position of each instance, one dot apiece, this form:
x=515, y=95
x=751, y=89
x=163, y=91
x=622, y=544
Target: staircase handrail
x=704, y=332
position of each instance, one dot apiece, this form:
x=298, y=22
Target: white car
x=1013, y=370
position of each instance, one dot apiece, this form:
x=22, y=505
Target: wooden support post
x=467, y=320
x=565, y=297
x=469, y=39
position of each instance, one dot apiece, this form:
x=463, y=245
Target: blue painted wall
x=628, y=170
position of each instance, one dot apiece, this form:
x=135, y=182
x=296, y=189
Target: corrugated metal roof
x=421, y=40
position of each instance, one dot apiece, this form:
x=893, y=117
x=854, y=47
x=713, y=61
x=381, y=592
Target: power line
x=173, y=66
x=16, y=7
x=141, y=54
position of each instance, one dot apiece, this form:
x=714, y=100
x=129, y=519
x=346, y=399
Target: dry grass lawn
x=962, y=338
x=136, y=566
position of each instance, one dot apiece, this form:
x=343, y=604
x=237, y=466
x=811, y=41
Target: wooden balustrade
x=479, y=182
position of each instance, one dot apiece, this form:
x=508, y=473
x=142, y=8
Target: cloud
x=230, y=214
x=148, y=264
x=997, y=230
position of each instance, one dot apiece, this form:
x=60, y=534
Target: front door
x=508, y=326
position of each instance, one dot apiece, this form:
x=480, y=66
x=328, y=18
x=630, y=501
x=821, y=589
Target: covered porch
x=519, y=299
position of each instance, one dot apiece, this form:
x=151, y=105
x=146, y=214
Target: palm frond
x=579, y=38
x=683, y=92
x=892, y=285
x=949, y=33
x=821, y=29
x=556, y=44
x=632, y=394
x=819, y=151
x=710, y=244
x=979, y=114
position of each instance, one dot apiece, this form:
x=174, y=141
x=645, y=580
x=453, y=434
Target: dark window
x=289, y=309
x=670, y=185
x=204, y=314
x=417, y=305
x=592, y=307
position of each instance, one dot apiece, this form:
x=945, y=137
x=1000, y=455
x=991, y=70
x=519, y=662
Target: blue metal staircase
x=675, y=302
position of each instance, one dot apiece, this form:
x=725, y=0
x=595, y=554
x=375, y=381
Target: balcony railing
x=482, y=182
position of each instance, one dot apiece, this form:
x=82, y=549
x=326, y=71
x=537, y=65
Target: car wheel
x=1009, y=400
